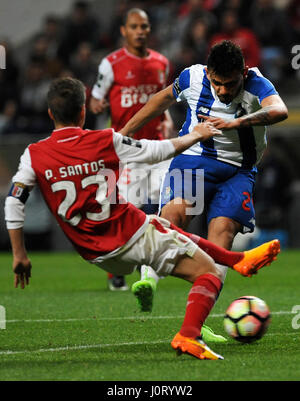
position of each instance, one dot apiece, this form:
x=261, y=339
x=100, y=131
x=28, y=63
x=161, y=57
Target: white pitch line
x=80, y=347
x=213, y=315
x=83, y=347
x=90, y=318
x=92, y=346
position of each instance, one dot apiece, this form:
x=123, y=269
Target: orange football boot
x=256, y=258
x=193, y=346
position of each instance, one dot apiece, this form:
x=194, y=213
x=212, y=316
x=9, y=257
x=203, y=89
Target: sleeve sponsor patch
x=176, y=86
x=19, y=191
x=99, y=79
x=131, y=142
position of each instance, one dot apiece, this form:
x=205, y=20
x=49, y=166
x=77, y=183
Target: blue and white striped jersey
x=243, y=147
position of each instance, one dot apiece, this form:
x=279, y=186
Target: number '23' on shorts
x=228, y=189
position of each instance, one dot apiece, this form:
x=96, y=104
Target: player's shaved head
x=135, y=30
x=66, y=98
x=132, y=11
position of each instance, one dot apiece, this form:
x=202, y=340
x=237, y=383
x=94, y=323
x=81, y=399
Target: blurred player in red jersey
x=127, y=78
x=77, y=171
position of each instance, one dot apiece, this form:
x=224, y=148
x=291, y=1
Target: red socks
x=201, y=299
x=219, y=254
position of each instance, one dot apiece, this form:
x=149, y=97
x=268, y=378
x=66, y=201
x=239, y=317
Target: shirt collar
x=66, y=132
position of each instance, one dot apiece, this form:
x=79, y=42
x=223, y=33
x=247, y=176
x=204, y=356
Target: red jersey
x=129, y=81
x=77, y=171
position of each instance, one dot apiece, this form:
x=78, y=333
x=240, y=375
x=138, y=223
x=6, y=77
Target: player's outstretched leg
x=246, y=263
x=256, y=258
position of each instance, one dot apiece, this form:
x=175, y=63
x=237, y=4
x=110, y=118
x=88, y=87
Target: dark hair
x=66, y=96
x=225, y=58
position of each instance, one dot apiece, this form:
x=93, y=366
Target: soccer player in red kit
x=127, y=78
x=77, y=171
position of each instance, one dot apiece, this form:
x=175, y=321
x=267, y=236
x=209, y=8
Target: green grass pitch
x=67, y=326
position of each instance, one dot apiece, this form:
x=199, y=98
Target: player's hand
x=206, y=130
x=98, y=106
x=221, y=123
x=22, y=270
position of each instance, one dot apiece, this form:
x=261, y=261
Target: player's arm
x=167, y=125
x=273, y=110
x=21, y=263
x=15, y=216
x=156, y=106
x=201, y=132
x=154, y=151
x=98, y=102
x=14, y=210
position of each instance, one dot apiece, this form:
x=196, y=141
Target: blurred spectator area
x=44, y=40
x=71, y=39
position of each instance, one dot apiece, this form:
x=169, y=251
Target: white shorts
x=159, y=247
x=141, y=182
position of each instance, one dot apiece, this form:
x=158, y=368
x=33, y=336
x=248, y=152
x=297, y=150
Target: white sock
x=223, y=270
x=147, y=272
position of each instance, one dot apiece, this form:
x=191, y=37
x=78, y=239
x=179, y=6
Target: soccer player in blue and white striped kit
x=240, y=102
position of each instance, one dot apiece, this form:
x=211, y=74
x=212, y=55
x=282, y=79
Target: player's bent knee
x=171, y=215
x=217, y=273
x=175, y=213
x=205, y=265
x=222, y=231
x=224, y=225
